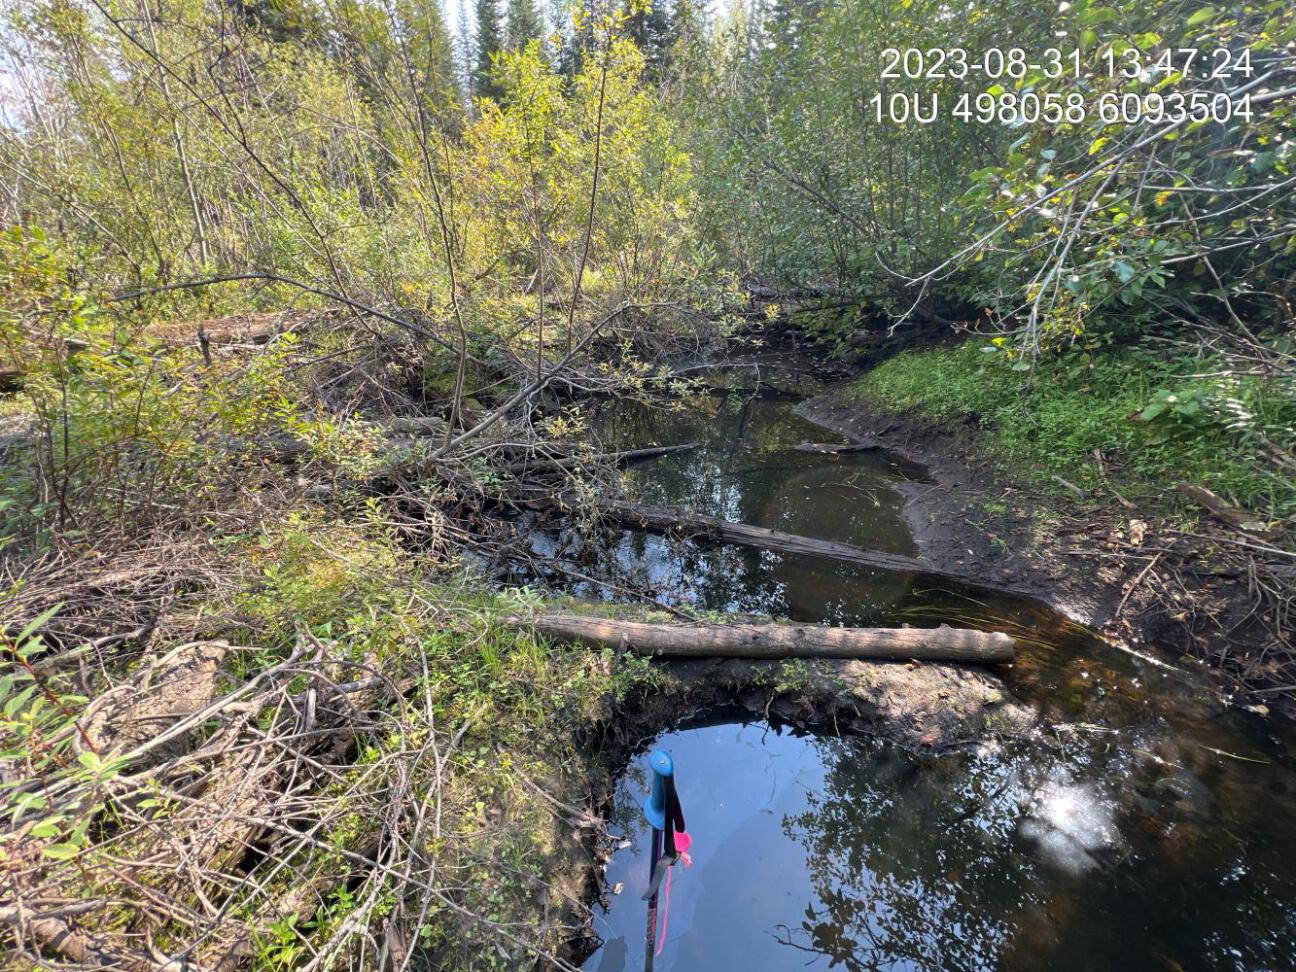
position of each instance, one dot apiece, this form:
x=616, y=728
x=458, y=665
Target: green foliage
x=122, y=423
x=356, y=166
x=1042, y=230
x=489, y=43
x=524, y=24
x=326, y=576
x=800, y=183
x=57, y=778
x=1116, y=224
x=531, y=158
x=1154, y=421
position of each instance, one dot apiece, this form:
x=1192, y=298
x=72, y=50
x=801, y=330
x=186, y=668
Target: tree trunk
x=829, y=448
x=668, y=520
x=538, y=465
x=745, y=640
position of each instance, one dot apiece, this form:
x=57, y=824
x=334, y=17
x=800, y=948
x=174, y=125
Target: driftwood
x=567, y=462
x=52, y=928
x=745, y=640
x=830, y=448
x=668, y=520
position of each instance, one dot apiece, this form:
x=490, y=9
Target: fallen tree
x=774, y=640
x=661, y=519
x=545, y=464
x=830, y=448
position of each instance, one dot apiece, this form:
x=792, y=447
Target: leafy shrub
x=124, y=426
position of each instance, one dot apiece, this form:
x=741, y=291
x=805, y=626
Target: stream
x=1146, y=826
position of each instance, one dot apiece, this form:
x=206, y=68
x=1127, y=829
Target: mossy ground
x=1126, y=417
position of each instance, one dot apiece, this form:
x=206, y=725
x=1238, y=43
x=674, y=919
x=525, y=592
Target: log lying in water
x=661, y=519
x=745, y=640
x=829, y=448
x=570, y=462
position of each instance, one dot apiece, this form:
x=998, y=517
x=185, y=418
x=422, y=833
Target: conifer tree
x=465, y=48
x=650, y=29
x=525, y=24
x=431, y=51
x=490, y=41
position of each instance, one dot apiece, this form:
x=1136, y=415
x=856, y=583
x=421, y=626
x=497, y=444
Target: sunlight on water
x=1071, y=823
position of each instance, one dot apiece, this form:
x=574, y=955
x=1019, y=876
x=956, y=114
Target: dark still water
x=1144, y=826
x=822, y=853
x=748, y=469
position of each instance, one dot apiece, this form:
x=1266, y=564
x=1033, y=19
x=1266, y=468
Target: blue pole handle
x=662, y=766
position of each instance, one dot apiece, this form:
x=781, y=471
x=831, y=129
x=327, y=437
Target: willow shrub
x=116, y=427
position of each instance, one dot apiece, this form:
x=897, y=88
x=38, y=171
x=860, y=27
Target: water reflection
x=847, y=853
x=1072, y=824
x=747, y=470
x=1146, y=827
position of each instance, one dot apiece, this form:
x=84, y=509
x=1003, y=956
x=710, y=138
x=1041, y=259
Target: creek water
x=1145, y=826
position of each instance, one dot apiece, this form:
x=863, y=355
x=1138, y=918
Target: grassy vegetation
x=1155, y=421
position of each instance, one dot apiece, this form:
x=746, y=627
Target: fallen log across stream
x=778, y=640
x=661, y=519
x=549, y=464
x=835, y=449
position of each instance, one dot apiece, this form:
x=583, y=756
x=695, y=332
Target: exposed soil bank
x=963, y=520
x=1087, y=560
x=919, y=706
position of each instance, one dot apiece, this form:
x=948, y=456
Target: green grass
x=1208, y=431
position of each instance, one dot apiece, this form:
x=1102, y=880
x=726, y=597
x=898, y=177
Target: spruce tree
x=465, y=47
x=431, y=51
x=650, y=29
x=490, y=41
x=525, y=24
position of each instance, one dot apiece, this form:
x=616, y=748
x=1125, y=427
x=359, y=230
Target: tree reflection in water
x=904, y=858
x=1005, y=860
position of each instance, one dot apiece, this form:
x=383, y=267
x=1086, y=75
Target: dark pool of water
x=748, y=470
x=817, y=852
x=1148, y=827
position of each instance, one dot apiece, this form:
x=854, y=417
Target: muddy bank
x=1084, y=560
x=918, y=706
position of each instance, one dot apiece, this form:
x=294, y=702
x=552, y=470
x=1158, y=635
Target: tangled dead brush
x=215, y=808
x=253, y=713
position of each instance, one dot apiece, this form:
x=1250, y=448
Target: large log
x=829, y=448
x=550, y=464
x=747, y=640
x=661, y=519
